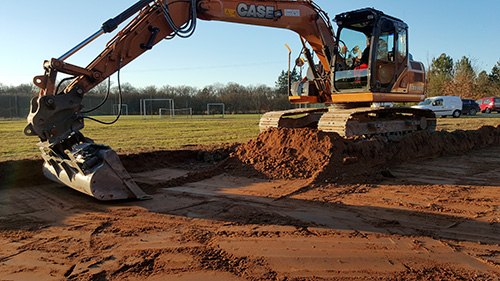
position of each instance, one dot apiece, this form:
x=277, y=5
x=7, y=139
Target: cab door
x=384, y=56
x=391, y=53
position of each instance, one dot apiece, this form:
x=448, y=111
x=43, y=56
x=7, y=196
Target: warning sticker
x=230, y=12
x=292, y=13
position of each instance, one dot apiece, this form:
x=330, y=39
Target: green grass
x=467, y=122
x=134, y=134
x=14, y=144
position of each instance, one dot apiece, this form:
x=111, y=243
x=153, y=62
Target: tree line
x=461, y=78
x=14, y=100
x=444, y=77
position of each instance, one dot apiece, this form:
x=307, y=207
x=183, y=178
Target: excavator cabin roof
x=362, y=19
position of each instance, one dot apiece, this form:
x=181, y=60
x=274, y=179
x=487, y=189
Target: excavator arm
x=145, y=30
x=56, y=115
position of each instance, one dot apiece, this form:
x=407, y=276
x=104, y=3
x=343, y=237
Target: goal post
x=223, y=108
x=116, y=109
x=143, y=105
x=176, y=111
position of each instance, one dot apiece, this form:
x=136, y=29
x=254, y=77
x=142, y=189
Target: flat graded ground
x=287, y=205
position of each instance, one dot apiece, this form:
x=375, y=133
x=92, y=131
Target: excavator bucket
x=90, y=168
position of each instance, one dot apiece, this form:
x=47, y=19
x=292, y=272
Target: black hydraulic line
x=113, y=23
x=120, y=101
x=187, y=29
x=104, y=100
x=62, y=81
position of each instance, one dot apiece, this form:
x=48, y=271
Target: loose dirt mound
x=304, y=153
x=288, y=154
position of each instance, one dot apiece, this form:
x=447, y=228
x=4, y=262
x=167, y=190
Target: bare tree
x=464, y=80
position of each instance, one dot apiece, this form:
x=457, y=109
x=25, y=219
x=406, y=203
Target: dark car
x=470, y=107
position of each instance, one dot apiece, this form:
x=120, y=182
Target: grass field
x=134, y=134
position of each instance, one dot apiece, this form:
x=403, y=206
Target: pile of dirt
x=307, y=153
x=283, y=153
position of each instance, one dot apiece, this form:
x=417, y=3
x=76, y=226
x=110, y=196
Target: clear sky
x=34, y=30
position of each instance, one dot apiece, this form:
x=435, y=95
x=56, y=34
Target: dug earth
x=291, y=204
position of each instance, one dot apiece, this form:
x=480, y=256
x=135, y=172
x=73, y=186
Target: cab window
x=385, y=63
x=402, y=46
x=386, y=47
x=352, y=60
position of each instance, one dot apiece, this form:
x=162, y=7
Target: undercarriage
x=359, y=121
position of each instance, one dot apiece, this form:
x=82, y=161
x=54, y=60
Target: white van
x=443, y=105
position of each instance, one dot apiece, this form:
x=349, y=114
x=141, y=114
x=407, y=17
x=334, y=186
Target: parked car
x=470, y=107
x=489, y=104
x=443, y=105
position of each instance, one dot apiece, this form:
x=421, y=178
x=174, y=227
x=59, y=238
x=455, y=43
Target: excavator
x=365, y=61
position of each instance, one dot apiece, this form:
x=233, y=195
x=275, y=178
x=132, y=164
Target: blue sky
x=33, y=31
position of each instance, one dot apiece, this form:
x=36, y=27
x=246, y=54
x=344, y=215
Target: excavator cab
x=372, y=51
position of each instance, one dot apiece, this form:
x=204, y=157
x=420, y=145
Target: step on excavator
x=366, y=61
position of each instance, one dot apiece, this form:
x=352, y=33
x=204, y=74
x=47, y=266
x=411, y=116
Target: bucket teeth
x=93, y=169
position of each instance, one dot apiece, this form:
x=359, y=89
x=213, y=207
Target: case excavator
x=365, y=61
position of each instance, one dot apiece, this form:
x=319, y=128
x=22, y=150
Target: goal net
x=216, y=108
x=175, y=113
x=124, y=109
x=151, y=106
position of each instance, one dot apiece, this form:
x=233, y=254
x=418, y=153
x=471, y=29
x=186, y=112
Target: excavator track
x=362, y=121
x=293, y=118
x=367, y=121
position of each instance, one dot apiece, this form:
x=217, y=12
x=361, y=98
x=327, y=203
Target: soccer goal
x=216, y=107
x=176, y=112
x=152, y=106
x=116, y=109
